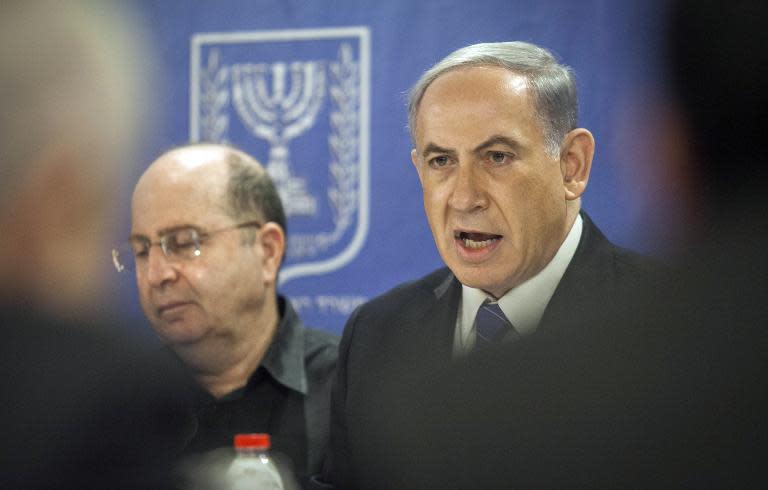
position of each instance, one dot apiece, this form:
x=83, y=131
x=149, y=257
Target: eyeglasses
x=177, y=245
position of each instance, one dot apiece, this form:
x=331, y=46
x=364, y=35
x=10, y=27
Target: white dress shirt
x=523, y=305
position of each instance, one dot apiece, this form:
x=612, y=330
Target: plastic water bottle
x=252, y=467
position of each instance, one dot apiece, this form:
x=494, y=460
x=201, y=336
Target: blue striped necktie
x=492, y=326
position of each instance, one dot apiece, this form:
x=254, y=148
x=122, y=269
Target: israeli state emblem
x=298, y=101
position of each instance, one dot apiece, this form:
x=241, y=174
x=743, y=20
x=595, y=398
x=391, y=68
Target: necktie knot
x=491, y=325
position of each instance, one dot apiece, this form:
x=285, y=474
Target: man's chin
x=480, y=278
x=179, y=334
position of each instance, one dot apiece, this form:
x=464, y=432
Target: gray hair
x=553, y=84
x=250, y=190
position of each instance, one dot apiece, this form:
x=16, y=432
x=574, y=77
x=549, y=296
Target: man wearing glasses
x=207, y=240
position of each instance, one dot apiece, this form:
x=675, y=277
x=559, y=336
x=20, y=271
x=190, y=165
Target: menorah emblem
x=300, y=100
x=280, y=115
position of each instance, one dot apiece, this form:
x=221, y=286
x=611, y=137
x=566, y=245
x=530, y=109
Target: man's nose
x=160, y=269
x=468, y=193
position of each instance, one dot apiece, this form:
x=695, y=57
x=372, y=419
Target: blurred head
x=72, y=85
x=500, y=160
x=208, y=238
x=717, y=66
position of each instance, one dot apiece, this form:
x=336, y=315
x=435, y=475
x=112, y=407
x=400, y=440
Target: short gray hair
x=251, y=191
x=553, y=84
x=252, y=194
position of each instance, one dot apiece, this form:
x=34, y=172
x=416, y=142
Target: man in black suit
x=669, y=388
x=503, y=165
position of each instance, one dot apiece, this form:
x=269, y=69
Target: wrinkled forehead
x=476, y=97
x=482, y=82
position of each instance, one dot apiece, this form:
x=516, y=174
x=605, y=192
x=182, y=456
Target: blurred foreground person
x=719, y=310
x=672, y=391
x=80, y=408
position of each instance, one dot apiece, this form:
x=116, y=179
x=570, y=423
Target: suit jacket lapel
x=433, y=329
x=582, y=289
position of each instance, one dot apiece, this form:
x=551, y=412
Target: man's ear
x=272, y=240
x=576, y=162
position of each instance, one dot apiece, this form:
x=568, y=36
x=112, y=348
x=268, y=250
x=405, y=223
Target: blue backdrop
x=316, y=91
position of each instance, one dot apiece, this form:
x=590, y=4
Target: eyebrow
x=164, y=231
x=497, y=140
x=493, y=140
x=433, y=148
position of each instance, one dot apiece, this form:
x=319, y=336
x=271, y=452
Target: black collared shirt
x=288, y=397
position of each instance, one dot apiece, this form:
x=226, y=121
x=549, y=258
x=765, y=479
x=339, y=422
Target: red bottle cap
x=252, y=441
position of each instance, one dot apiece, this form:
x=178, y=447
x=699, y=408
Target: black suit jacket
x=398, y=340
x=666, y=388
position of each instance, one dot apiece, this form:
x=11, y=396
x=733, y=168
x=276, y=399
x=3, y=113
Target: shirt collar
x=284, y=359
x=523, y=305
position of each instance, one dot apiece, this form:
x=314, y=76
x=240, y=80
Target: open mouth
x=476, y=240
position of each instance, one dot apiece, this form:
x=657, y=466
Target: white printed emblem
x=299, y=101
